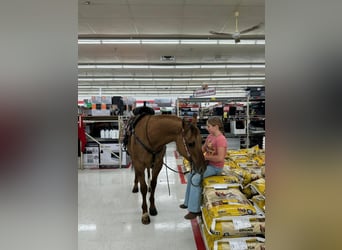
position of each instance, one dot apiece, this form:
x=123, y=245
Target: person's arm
x=219, y=157
x=204, y=146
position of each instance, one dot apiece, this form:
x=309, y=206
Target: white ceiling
x=168, y=19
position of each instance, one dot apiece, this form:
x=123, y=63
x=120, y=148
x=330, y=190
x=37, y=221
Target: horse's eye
x=191, y=144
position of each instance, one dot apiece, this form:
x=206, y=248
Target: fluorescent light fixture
x=205, y=41
x=89, y=41
x=213, y=66
x=136, y=66
x=193, y=66
x=224, y=42
x=170, y=66
x=159, y=41
x=198, y=41
x=162, y=66
x=86, y=227
x=163, y=79
x=109, y=66
x=120, y=41
x=239, y=66
x=87, y=66
x=258, y=66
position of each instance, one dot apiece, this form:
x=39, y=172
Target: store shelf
x=243, y=117
x=103, y=148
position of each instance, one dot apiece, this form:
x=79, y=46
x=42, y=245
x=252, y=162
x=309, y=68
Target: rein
x=175, y=171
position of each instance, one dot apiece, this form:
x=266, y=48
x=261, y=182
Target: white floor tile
x=109, y=214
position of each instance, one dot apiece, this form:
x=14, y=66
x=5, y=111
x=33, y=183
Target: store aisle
x=109, y=214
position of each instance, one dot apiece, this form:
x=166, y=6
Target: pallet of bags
x=252, y=159
x=244, y=243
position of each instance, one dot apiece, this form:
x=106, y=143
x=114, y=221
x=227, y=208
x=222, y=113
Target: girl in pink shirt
x=214, y=150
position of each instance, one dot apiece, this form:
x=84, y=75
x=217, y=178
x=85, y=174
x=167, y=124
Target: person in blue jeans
x=214, y=150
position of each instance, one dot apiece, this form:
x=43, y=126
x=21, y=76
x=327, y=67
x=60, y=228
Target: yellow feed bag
x=234, y=226
x=220, y=179
x=226, y=202
x=256, y=187
x=250, y=243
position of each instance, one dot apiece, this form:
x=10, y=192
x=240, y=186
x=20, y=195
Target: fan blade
x=251, y=28
x=220, y=33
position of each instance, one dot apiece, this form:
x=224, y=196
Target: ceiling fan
x=237, y=34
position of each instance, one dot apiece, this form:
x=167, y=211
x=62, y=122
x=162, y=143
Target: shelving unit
x=237, y=124
x=256, y=117
x=104, y=149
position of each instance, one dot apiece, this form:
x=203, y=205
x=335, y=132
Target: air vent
x=167, y=58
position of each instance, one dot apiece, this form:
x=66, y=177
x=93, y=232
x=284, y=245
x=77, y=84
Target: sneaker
x=191, y=216
x=183, y=206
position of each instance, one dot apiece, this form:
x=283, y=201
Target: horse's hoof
x=153, y=211
x=145, y=219
x=135, y=190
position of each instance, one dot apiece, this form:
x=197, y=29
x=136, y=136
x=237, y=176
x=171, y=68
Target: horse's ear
x=184, y=122
x=194, y=120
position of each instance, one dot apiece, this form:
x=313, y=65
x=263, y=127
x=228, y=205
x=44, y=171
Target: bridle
x=185, y=146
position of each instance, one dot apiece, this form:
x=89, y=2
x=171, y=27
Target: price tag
x=241, y=222
x=238, y=244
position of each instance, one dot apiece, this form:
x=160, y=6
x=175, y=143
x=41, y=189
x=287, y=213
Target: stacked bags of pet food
x=231, y=209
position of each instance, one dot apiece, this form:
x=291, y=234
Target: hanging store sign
x=204, y=92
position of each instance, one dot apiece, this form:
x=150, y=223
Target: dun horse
x=147, y=145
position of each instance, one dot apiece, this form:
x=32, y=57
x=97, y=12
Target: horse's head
x=192, y=146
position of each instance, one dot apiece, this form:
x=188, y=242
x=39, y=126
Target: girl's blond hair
x=215, y=120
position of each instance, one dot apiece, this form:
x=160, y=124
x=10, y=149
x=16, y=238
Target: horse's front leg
x=135, y=185
x=145, y=219
x=155, y=173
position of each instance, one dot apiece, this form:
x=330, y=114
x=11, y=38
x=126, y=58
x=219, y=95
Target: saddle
x=138, y=113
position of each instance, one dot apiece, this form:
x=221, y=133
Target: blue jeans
x=194, y=188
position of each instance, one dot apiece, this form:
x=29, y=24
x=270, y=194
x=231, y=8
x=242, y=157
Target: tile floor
x=109, y=214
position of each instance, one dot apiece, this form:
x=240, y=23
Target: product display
x=233, y=204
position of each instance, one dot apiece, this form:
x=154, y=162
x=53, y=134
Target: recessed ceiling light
x=86, y=2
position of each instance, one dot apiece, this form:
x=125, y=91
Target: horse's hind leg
x=145, y=219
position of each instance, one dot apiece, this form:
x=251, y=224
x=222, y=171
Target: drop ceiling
x=144, y=70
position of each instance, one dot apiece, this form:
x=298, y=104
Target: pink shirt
x=212, y=143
